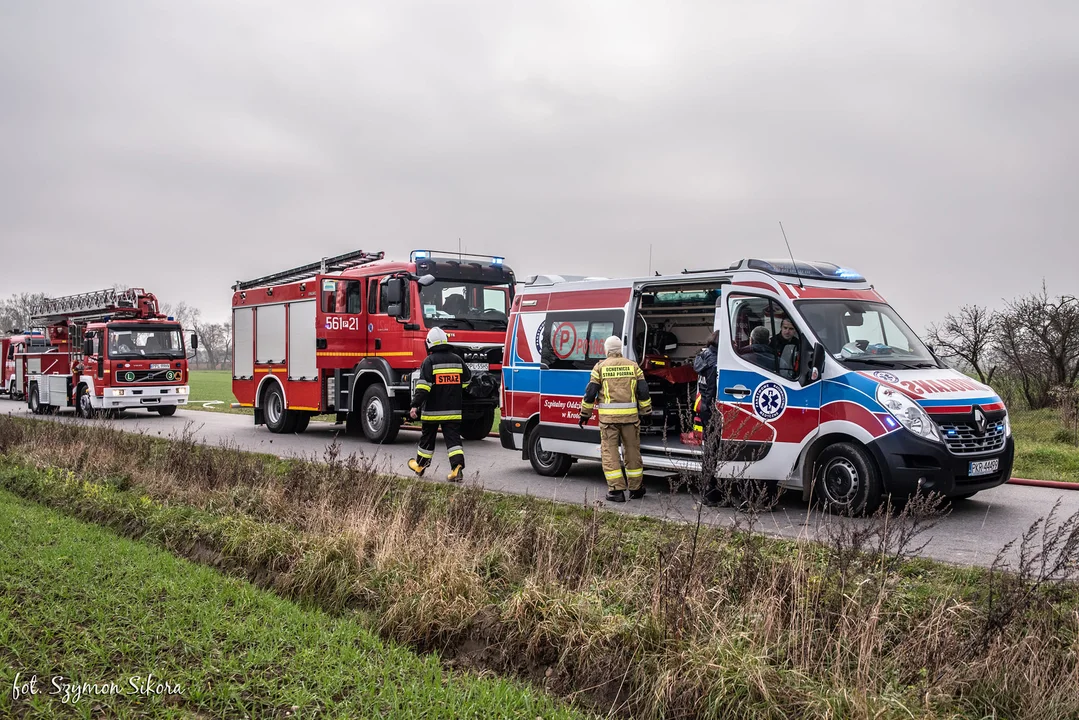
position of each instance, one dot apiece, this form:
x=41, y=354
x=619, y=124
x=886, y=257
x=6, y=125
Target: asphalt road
x=971, y=534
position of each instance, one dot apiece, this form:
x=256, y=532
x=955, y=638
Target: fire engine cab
x=821, y=388
x=108, y=350
x=10, y=346
x=346, y=336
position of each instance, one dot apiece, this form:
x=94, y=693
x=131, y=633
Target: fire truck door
x=341, y=319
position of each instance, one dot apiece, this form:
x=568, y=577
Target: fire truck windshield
x=868, y=333
x=465, y=304
x=137, y=341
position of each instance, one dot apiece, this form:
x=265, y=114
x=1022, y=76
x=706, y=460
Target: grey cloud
x=929, y=145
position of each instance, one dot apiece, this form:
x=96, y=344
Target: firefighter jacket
x=617, y=390
x=441, y=385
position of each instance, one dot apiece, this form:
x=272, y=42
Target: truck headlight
x=909, y=413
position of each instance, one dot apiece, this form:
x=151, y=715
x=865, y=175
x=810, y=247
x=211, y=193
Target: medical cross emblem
x=769, y=400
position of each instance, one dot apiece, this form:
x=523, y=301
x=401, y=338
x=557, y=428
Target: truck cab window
x=354, y=297
x=764, y=334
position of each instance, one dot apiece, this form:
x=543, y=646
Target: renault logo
x=979, y=420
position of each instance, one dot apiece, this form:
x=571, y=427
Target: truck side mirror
x=194, y=343
x=87, y=347
x=816, y=369
x=395, y=298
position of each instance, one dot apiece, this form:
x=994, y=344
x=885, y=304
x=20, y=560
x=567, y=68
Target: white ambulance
x=822, y=387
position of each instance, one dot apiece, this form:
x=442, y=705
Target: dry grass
x=631, y=616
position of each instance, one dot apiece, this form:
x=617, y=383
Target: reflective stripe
x=424, y=454
x=423, y=386
x=437, y=418
x=448, y=371
x=636, y=472
x=619, y=411
x=612, y=474
x=445, y=366
x=587, y=405
x=698, y=428
x=455, y=450
x=607, y=406
x=464, y=385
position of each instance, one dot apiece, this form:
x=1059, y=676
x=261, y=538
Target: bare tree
x=15, y=312
x=1037, y=338
x=968, y=337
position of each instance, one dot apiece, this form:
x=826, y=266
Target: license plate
x=479, y=367
x=159, y=366
x=984, y=467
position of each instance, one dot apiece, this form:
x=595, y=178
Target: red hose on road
x=1045, y=484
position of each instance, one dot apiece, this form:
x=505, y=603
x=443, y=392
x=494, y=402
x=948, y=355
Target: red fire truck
x=10, y=346
x=345, y=336
x=108, y=350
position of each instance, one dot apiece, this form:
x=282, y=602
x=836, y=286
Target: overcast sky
x=180, y=146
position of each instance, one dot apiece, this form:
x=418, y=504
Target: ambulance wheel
x=478, y=428
x=379, y=423
x=848, y=482
x=546, y=463
x=302, y=420
x=166, y=410
x=84, y=406
x=278, y=419
x=34, y=402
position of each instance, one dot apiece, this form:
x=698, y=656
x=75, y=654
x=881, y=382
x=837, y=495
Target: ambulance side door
x=572, y=345
x=768, y=410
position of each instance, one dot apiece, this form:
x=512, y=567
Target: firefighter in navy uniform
x=438, y=400
x=618, y=391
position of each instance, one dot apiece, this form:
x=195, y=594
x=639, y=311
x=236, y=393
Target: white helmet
x=436, y=336
x=613, y=344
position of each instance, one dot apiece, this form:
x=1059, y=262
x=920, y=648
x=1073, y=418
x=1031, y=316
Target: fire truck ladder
x=323, y=266
x=86, y=306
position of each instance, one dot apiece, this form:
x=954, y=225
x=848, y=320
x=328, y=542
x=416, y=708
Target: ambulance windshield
x=465, y=304
x=869, y=333
x=149, y=341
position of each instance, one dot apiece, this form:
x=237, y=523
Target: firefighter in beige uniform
x=618, y=391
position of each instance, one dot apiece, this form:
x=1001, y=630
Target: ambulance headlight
x=1007, y=425
x=909, y=413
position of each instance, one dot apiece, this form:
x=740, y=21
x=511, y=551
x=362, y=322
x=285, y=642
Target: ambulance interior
x=671, y=325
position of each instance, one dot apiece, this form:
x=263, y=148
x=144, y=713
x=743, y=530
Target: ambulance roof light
x=419, y=255
x=497, y=261
x=805, y=269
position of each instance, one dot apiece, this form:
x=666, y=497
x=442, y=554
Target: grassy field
x=211, y=390
x=645, y=618
x=1044, y=449
x=78, y=601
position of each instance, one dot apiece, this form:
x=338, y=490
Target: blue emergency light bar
x=415, y=255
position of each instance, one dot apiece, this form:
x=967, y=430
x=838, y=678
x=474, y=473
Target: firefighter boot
x=616, y=496
x=415, y=467
x=457, y=474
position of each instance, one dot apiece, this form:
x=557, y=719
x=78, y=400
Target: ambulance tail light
x=909, y=413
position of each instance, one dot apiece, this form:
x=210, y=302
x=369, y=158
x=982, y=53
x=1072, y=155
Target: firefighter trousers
x=451, y=431
x=629, y=436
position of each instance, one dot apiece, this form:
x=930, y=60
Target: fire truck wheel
x=166, y=410
x=34, y=402
x=848, y=482
x=302, y=419
x=379, y=423
x=478, y=428
x=548, y=464
x=278, y=419
x=84, y=408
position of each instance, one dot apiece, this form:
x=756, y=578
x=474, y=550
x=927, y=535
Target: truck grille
x=963, y=439
x=147, y=376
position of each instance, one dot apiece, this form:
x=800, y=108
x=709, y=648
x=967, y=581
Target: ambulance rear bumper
x=908, y=463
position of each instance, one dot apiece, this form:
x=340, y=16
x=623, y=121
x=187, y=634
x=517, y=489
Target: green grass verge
x=211, y=390
x=1044, y=448
x=79, y=602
